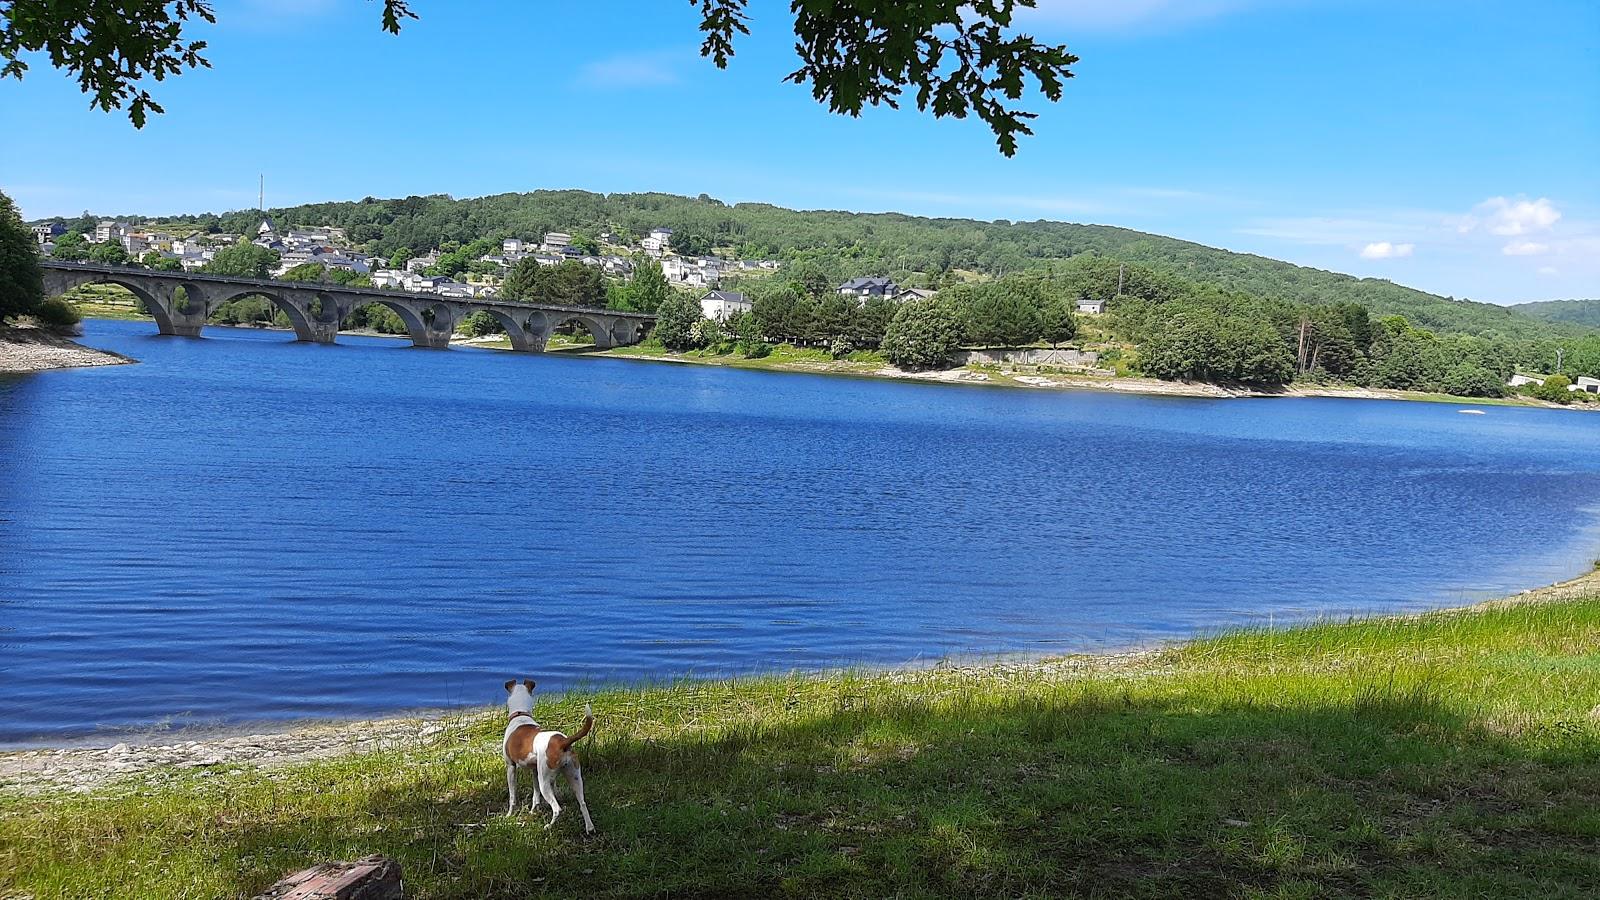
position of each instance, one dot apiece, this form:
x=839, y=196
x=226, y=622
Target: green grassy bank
x=1451, y=755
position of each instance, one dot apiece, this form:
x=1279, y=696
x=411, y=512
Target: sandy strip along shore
x=35, y=350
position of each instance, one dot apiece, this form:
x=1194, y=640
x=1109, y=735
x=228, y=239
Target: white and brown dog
x=527, y=745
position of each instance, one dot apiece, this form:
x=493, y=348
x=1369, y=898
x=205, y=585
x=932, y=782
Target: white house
x=47, y=233
x=418, y=263
x=511, y=248
x=657, y=242
x=1092, y=307
x=1586, y=384
x=720, y=306
x=426, y=283
x=106, y=231
x=1518, y=380
x=704, y=272
x=556, y=241
x=195, y=261
x=914, y=294
x=451, y=288
x=384, y=278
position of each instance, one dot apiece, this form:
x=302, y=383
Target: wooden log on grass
x=368, y=878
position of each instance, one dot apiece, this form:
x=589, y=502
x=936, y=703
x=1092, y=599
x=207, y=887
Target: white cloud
x=1525, y=248
x=634, y=70
x=1508, y=217
x=1386, y=250
x=1549, y=270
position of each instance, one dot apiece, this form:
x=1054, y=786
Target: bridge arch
x=525, y=329
x=599, y=327
x=300, y=316
x=410, y=316
x=156, y=306
x=173, y=315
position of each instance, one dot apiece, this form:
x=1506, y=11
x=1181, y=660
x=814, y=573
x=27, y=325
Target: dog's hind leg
x=575, y=778
x=547, y=787
x=511, y=788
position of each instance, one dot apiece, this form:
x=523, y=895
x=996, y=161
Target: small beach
x=35, y=350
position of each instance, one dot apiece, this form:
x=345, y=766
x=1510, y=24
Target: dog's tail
x=588, y=726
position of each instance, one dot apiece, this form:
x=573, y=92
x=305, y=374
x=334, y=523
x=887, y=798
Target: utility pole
x=261, y=195
x=1561, y=353
x=1121, y=270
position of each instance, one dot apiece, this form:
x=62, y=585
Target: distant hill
x=836, y=244
x=1575, y=312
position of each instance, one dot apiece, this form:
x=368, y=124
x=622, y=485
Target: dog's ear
x=530, y=685
x=510, y=684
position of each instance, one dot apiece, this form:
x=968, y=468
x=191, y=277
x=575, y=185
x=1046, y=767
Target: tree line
x=1200, y=314
x=1009, y=312
x=831, y=246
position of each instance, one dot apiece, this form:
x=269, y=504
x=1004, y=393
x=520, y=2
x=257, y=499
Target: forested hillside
x=1573, y=312
x=829, y=245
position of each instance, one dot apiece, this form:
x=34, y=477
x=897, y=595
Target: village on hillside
x=332, y=249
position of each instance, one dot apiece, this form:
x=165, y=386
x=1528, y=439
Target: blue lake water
x=246, y=528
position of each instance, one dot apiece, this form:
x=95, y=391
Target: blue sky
x=1454, y=146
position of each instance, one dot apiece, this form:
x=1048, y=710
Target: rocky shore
x=80, y=769
x=36, y=349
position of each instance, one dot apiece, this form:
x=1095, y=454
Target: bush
x=1554, y=389
x=754, y=349
x=675, y=322
x=923, y=334
x=1470, y=380
x=56, y=313
x=705, y=333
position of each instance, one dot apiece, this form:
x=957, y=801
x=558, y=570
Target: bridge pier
x=438, y=324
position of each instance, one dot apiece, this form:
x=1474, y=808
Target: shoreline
x=27, y=350
x=1124, y=384
x=79, y=766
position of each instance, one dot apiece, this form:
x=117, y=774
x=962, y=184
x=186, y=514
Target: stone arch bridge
x=315, y=309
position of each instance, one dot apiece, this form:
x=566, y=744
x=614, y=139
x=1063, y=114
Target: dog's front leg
x=511, y=788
